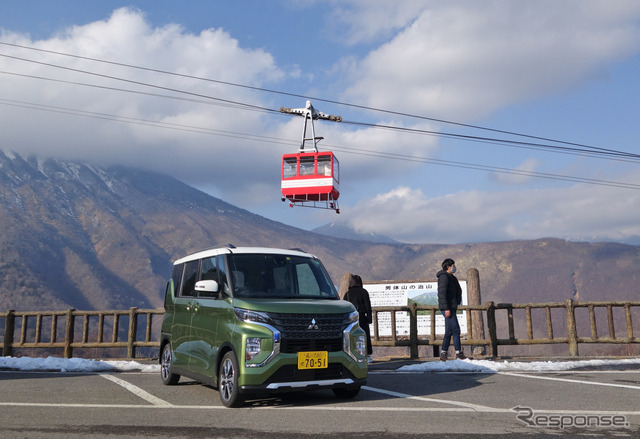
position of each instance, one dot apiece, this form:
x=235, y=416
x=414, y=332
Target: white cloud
x=457, y=60
x=368, y=153
x=520, y=174
x=580, y=212
x=125, y=37
x=241, y=160
x=364, y=21
x=463, y=60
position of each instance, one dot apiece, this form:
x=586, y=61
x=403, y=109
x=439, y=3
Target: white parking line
x=317, y=408
x=466, y=405
x=540, y=377
x=137, y=391
x=456, y=406
x=92, y=406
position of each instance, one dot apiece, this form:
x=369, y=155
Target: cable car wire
x=139, y=121
x=349, y=150
x=210, y=101
x=593, y=148
x=599, y=151
x=591, y=151
x=236, y=104
x=131, y=81
x=479, y=167
x=364, y=107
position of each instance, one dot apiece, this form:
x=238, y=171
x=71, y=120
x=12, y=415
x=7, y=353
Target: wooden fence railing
x=486, y=319
x=134, y=328
x=124, y=329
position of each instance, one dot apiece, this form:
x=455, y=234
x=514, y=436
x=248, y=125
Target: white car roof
x=240, y=250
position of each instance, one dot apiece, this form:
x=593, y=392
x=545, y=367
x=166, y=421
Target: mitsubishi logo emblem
x=313, y=324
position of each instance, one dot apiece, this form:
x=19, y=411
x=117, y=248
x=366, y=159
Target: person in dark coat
x=359, y=297
x=449, y=297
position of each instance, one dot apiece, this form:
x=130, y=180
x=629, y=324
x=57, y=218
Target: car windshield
x=276, y=276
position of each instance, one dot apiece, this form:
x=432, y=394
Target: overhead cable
x=349, y=150
x=363, y=107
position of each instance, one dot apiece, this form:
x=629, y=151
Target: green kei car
x=258, y=321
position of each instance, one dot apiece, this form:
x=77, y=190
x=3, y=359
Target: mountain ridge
x=88, y=237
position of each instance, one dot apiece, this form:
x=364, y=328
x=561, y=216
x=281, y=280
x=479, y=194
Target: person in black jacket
x=359, y=297
x=449, y=297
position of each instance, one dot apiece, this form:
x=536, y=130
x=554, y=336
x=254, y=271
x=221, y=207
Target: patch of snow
x=41, y=163
x=488, y=366
x=74, y=365
x=102, y=175
x=472, y=366
x=71, y=169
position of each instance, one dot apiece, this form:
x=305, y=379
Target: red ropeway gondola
x=311, y=179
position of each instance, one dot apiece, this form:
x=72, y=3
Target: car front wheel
x=228, y=381
x=168, y=378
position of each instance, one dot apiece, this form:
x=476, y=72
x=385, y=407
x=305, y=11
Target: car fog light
x=361, y=345
x=252, y=348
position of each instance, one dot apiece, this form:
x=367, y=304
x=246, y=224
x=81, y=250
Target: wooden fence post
x=491, y=325
x=572, y=332
x=9, y=323
x=432, y=333
x=477, y=320
x=413, y=331
x=68, y=336
x=344, y=284
x=627, y=316
x=133, y=330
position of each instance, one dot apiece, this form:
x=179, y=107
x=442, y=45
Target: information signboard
x=402, y=294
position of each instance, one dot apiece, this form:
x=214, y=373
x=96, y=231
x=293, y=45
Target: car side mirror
x=207, y=286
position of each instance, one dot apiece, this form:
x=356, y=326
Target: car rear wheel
x=228, y=381
x=168, y=378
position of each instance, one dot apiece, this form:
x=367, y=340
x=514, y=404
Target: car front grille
x=292, y=346
x=310, y=332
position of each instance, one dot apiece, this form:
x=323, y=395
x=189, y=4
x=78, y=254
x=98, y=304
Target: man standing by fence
x=449, y=297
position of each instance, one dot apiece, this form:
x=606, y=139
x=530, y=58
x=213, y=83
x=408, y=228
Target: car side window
x=177, y=278
x=222, y=275
x=189, y=278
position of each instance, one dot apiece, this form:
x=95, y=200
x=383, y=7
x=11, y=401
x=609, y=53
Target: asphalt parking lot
x=600, y=403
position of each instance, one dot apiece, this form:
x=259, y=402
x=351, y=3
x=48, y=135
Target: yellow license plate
x=313, y=360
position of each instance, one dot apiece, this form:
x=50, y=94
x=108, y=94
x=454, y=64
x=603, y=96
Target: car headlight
x=252, y=316
x=354, y=317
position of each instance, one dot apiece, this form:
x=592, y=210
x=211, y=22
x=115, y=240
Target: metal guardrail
x=134, y=328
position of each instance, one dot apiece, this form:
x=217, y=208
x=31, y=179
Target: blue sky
x=558, y=70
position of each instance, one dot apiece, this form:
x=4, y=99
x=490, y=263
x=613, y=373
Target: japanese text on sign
x=402, y=294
